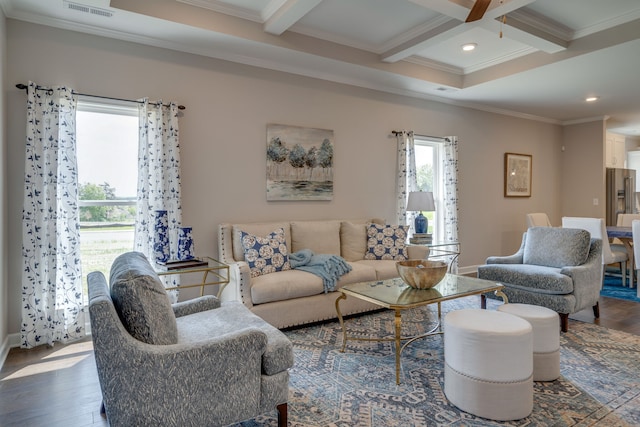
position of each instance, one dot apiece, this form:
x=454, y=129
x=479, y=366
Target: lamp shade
x=421, y=201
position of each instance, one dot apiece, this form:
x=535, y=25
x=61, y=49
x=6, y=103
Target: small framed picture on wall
x=517, y=175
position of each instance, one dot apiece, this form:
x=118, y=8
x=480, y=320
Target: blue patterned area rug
x=613, y=288
x=599, y=383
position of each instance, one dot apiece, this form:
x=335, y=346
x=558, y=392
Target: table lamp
x=421, y=201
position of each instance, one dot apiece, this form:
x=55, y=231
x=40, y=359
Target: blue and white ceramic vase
x=185, y=244
x=161, y=236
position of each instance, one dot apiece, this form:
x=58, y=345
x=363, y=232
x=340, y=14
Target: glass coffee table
x=396, y=295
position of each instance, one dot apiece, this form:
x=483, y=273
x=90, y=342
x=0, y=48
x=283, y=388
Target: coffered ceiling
x=533, y=58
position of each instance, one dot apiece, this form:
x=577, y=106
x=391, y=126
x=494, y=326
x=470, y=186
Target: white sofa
x=293, y=297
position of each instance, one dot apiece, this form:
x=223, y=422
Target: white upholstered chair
x=598, y=230
x=624, y=220
x=538, y=220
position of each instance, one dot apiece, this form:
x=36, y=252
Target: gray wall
x=223, y=139
x=583, y=174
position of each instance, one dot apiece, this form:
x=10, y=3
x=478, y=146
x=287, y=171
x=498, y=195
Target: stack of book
x=179, y=265
x=421, y=239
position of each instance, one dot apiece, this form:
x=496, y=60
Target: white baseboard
x=12, y=340
x=471, y=269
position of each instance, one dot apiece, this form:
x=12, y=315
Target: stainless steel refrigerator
x=621, y=193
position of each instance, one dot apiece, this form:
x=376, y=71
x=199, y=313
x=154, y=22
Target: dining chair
x=598, y=230
x=624, y=220
x=538, y=220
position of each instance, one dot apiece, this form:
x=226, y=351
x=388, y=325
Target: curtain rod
x=400, y=132
x=25, y=87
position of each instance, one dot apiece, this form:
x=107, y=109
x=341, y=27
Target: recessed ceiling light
x=468, y=47
x=592, y=98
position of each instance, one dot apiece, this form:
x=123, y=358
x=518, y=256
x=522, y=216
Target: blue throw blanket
x=329, y=267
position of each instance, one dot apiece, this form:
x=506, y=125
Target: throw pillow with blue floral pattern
x=387, y=242
x=266, y=254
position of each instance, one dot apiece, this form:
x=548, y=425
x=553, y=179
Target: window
x=429, y=177
x=107, y=152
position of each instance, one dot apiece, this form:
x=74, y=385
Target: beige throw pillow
x=322, y=237
x=353, y=241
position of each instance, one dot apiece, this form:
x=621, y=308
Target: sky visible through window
x=424, y=155
x=107, y=150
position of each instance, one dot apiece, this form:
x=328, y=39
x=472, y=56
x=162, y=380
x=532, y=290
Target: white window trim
x=438, y=185
x=107, y=106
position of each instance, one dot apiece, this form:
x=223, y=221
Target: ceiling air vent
x=88, y=9
x=445, y=89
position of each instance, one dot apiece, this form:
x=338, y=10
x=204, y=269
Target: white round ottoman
x=546, y=338
x=488, y=363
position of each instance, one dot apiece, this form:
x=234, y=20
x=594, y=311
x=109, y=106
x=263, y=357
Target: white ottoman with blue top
x=546, y=338
x=488, y=363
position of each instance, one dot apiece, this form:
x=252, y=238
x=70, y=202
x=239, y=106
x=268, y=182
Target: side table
x=218, y=271
x=447, y=250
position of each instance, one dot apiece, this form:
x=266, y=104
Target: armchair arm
x=587, y=278
x=516, y=258
x=510, y=259
x=196, y=305
x=239, y=286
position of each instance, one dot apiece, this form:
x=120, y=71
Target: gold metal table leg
x=341, y=320
x=502, y=295
x=398, y=328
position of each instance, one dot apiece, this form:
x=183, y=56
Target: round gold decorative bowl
x=421, y=273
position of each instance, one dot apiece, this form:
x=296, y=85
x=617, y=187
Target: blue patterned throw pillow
x=387, y=242
x=266, y=254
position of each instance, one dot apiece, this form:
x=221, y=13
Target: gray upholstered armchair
x=196, y=363
x=557, y=268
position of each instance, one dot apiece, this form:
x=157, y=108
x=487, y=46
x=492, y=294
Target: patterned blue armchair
x=557, y=268
x=196, y=363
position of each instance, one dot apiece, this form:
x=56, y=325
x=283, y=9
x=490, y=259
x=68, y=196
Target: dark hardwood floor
x=59, y=386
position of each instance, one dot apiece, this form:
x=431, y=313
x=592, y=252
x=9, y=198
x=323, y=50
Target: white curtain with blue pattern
x=450, y=166
x=158, y=174
x=52, y=296
x=406, y=179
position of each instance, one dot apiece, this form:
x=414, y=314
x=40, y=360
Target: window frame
x=437, y=144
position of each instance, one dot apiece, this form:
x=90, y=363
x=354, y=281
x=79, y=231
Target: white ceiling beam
x=280, y=15
x=518, y=30
x=504, y=8
x=522, y=32
x=419, y=43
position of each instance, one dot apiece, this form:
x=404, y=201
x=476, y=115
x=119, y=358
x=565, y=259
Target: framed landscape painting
x=299, y=163
x=517, y=175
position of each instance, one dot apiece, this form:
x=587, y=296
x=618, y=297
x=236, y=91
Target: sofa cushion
x=359, y=273
x=547, y=280
x=257, y=229
x=386, y=242
x=284, y=286
x=384, y=269
x=141, y=300
x=353, y=240
x=266, y=254
x=556, y=247
x=293, y=284
x=322, y=237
